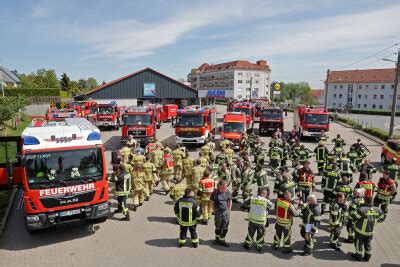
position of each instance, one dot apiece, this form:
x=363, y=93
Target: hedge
x=32, y=92
x=350, y=122
x=373, y=112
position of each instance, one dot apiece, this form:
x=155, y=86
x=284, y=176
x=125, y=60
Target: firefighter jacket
x=336, y=214
x=365, y=218
x=320, y=153
x=285, y=211
x=386, y=189
x=305, y=178
x=149, y=169
x=206, y=187
x=138, y=179
x=122, y=184
x=178, y=191
x=178, y=155
x=187, y=211
x=369, y=187
x=331, y=179
x=275, y=153
x=311, y=214
x=259, y=207
x=221, y=158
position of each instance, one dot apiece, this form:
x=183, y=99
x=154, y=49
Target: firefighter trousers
x=165, y=176
x=193, y=234
x=251, y=231
x=122, y=205
x=138, y=197
x=334, y=236
x=350, y=229
x=148, y=188
x=304, y=192
x=308, y=238
x=178, y=172
x=383, y=203
x=235, y=189
x=362, y=244
x=274, y=163
x=282, y=234
x=206, y=209
x=221, y=226
x=320, y=166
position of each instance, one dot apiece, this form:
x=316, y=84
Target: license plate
x=70, y=213
x=271, y=129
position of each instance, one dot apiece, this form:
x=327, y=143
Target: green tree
x=91, y=83
x=42, y=78
x=297, y=91
x=74, y=88
x=65, y=82
x=82, y=85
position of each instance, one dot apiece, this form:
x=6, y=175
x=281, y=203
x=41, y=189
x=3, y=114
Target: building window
x=240, y=81
x=248, y=81
x=359, y=86
x=334, y=104
x=334, y=95
x=390, y=106
x=376, y=87
x=375, y=96
x=366, y=96
x=240, y=73
x=257, y=74
x=382, y=96
x=359, y=96
x=335, y=86
x=358, y=106
x=248, y=89
x=239, y=89
x=240, y=96
x=340, y=95
x=382, y=86
x=341, y=87
x=256, y=81
x=392, y=86
x=373, y=106
x=366, y=86
x=380, y=106
x=365, y=105
x=340, y=105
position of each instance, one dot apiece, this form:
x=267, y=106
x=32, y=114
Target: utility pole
x=326, y=90
x=395, y=90
x=1, y=82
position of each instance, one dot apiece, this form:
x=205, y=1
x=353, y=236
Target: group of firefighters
x=201, y=185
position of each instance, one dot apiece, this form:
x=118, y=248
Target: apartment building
x=369, y=89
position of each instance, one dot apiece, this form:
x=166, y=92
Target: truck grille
x=189, y=134
x=316, y=130
x=57, y=201
x=137, y=132
x=270, y=124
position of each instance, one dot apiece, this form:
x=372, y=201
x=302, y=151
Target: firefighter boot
x=367, y=257
x=126, y=218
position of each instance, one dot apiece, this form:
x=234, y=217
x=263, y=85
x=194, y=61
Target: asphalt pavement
x=377, y=121
x=150, y=238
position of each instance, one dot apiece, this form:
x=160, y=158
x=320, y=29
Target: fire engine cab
x=107, y=115
x=195, y=124
x=246, y=108
x=234, y=127
x=62, y=173
x=310, y=121
x=271, y=118
x=58, y=111
x=140, y=122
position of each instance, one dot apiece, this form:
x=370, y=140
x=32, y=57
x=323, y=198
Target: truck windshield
x=66, y=165
x=317, y=118
x=234, y=127
x=272, y=114
x=105, y=110
x=243, y=110
x=137, y=119
x=190, y=120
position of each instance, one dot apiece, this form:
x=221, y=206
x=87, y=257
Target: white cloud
x=40, y=10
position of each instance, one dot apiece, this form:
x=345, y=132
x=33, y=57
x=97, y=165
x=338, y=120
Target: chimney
x=261, y=62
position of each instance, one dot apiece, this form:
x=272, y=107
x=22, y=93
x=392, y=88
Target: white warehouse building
x=239, y=79
x=370, y=89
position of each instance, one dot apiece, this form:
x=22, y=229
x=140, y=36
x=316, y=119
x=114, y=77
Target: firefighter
x=224, y=173
x=230, y=153
x=275, y=154
x=178, y=190
x=244, y=143
x=286, y=185
x=322, y=136
x=343, y=187
x=138, y=177
x=285, y=152
x=311, y=219
x=178, y=155
x=211, y=144
x=151, y=146
x=122, y=180
x=248, y=181
x=274, y=141
x=197, y=174
x=225, y=143
x=150, y=171
x=184, y=150
x=158, y=144
x=367, y=168
x=126, y=153
x=339, y=144
x=291, y=138
x=188, y=164
x=331, y=179
x=237, y=178
x=252, y=139
x=346, y=168
x=206, y=151
x=258, y=218
x=367, y=185
x=305, y=182
x=296, y=166
x=222, y=158
x=356, y=201
x=206, y=187
x=188, y=213
x=131, y=142
x=365, y=218
x=285, y=211
x=386, y=191
x=352, y=155
x=221, y=202
x=320, y=154
x=259, y=158
x=204, y=161
x=394, y=170
x=166, y=172
x=137, y=159
x=261, y=178
x=157, y=159
x=337, y=212
x=304, y=154
x=168, y=149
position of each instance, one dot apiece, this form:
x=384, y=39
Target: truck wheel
x=383, y=159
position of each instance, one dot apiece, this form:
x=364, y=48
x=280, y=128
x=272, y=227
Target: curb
x=373, y=138
x=7, y=212
x=344, y=124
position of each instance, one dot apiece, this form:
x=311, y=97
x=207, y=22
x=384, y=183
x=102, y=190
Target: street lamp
x=394, y=101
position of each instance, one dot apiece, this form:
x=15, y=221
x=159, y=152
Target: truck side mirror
x=23, y=161
x=9, y=169
x=114, y=158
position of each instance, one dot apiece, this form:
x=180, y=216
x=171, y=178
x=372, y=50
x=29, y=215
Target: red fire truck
x=61, y=110
x=271, y=118
x=107, y=115
x=85, y=108
x=310, y=121
x=62, y=172
x=140, y=122
x=195, y=124
x=234, y=127
x=169, y=111
x=246, y=108
x=260, y=104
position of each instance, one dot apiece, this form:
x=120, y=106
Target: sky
x=108, y=39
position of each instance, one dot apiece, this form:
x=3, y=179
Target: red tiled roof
x=363, y=76
x=317, y=93
x=133, y=74
x=238, y=64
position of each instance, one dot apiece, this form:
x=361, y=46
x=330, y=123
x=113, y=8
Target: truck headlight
x=33, y=218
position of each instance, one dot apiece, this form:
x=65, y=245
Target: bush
x=350, y=122
x=373, y=112
x=64, y=94
x=32, y=92
x=381, y=134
